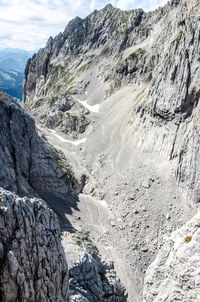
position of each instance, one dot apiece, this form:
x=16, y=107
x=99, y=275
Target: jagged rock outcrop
x=91, y=278
x=174, y=275
x=33, y=266
x=93, y=281
x=28, y=165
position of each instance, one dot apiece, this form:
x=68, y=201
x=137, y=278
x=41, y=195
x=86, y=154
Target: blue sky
x=27, y=24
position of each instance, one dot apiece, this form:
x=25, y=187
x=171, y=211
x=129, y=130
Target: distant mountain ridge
x=11, y=82
x=12, y=63
x=13, y=58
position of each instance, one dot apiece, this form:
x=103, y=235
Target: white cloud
x=28, y=23
x=145, y=4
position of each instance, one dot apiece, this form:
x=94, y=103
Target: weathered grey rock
x=174, y=275
x=28, y=165
x=33, y=265
x=167, y=120
x=92, y=281
x=114, y=48
x=156, y=54
x=60, y=69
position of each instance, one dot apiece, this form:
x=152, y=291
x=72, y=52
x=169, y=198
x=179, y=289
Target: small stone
x=168, y=216
x=146, y=184
x=112, y=223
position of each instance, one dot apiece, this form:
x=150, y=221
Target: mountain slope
x=33, y=262
x=124, y=86
x=76, y=66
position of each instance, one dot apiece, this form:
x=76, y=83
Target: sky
x=27, y=24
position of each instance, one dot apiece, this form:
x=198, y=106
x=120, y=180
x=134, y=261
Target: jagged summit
x=109, y=7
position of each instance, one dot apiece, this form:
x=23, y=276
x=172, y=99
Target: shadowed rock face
x=33, y=265
x=92, y=280
x=28, y=165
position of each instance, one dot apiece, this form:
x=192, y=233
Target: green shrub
x=187, y=239
x=68, y=172
x=179, y=37
x=139, y=52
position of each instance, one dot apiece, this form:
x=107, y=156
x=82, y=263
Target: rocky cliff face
x=174, y=275
x=28, y=165
x=167, y=119
x=33, y=265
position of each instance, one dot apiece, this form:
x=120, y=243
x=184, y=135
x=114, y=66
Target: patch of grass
x=139, y=52
x=83, y=118
x=68, y=90
x=142, y=24
x=79, y=120
x=178, y=38
x=187, y=239
x=69, y=85
x=85, y=66
x=59, y=69
x=52, y=100
x=68, y=172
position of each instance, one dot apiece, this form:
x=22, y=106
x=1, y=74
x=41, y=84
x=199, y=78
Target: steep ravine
x=117, y=93
x=124, y=212
x=33, y=264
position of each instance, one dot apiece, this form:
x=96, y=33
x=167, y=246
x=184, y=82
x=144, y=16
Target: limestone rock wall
x=167, y=120
x=174, y=275
x=33, y=266
x=28, y=165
